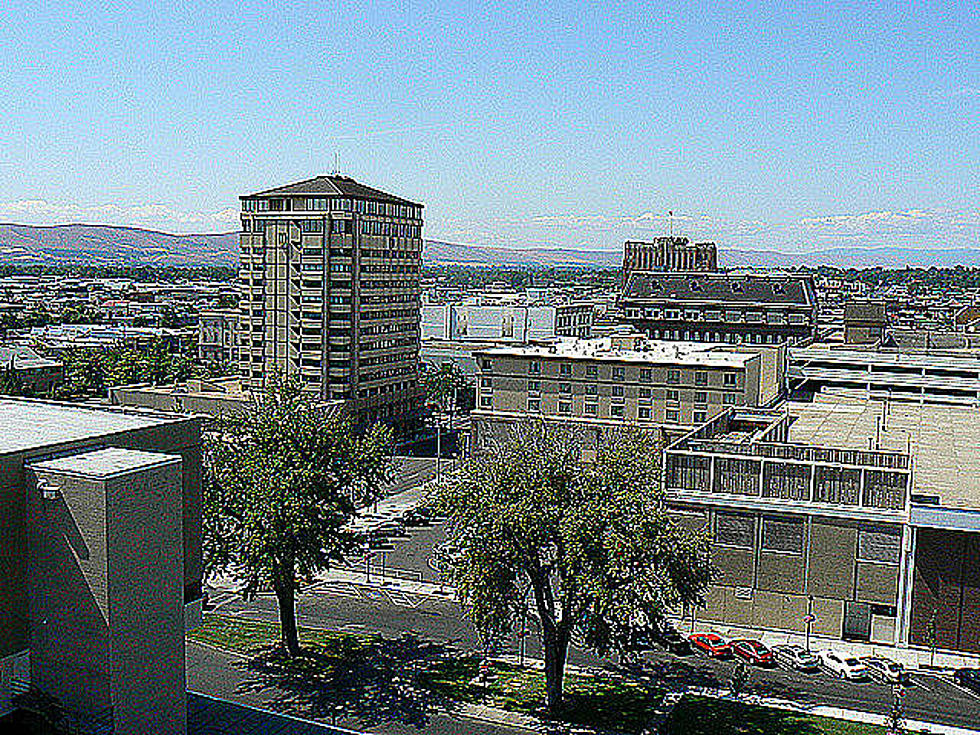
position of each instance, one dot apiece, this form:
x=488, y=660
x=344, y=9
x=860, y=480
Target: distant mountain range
x=109, y=245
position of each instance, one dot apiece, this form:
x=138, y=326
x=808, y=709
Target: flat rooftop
x=27, y=424
x=104, y=462
x=653, y=352
x=942, y=440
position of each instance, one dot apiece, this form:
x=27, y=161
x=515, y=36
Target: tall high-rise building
x=330, y=272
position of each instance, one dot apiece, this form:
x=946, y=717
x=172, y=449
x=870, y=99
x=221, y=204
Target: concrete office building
x=219, y=336
x=612, y=381
x=721, y=307
x=484, y=319
x=863, y=515
x=100, y=561
x=330, y=270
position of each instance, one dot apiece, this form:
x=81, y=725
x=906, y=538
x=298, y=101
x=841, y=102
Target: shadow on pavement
x=371, y=682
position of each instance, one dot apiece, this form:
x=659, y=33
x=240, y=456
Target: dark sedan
x=968, y=679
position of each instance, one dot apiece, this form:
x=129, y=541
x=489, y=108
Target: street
x=381, y=607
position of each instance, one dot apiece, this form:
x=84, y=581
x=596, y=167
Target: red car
x=752, y=651
x=712, y=644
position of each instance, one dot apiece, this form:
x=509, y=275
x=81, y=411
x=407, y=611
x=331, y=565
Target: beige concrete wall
x=780, y=572
x=829, y=616
x=833, y=549
x=146, y=601
x=762, y=588
x=13, y=552
x=69, y=609
x=877, y=582
x=734, y=567
x=182, y=439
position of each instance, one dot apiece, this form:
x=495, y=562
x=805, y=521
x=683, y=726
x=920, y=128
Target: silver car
x=795, y=657
x=885, y=669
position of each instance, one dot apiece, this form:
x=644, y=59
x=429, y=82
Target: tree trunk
x=284, y=585
x=555, y=652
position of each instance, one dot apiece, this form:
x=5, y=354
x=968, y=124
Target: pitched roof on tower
x=333, y=185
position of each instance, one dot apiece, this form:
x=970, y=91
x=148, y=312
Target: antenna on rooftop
x=670, y=222
x=336, y=163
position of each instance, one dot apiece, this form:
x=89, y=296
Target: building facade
x=669, y=254
x=100, y=561
x=218, y=337
x=865, y=322
x=721, y=307
x=330, y=273
x=483, y=320
x=614, y=381
x=846, y=518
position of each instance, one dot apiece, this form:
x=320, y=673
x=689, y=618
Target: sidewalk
x=388, y=581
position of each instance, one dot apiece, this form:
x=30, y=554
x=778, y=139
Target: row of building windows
x=618, y=373
x=730, y=316
x=880, y=545
x=615, y=410
x=328, y=204
x=340, y=227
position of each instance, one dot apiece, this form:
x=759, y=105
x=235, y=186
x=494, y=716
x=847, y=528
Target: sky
x=522, y=124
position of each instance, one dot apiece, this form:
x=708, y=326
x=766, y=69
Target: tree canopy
x=283, y=480
x=590, y=542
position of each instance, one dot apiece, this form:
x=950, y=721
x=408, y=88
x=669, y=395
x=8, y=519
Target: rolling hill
x=131, y=246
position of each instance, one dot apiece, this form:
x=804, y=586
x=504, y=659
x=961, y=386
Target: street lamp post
x=438, y=448
x=809, y=620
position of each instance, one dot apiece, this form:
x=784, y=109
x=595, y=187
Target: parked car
x=888, y=671
x=711, y=643
x=795, y=657
x=752, y=651
x=843, y=665
x=642, y=639
x=672, y=641
x=968, y=679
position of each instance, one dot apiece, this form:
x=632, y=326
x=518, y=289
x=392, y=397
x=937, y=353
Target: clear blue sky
x=516, y=123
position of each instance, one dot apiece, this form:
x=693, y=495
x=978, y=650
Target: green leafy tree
x=591, y=542
x=91, y=371
x=283, y=481
x=442, y=383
